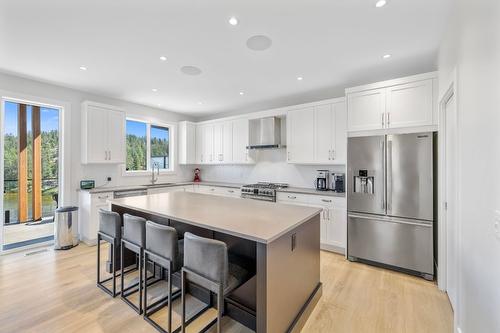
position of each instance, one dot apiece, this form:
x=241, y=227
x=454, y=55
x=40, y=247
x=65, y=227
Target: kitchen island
x=281, y=242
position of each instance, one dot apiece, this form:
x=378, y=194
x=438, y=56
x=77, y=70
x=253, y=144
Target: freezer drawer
x=402, y=243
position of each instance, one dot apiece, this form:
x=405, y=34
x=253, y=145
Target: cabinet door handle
x=109, y=151
x=292, y=197
x=326, y=200
x=333, y=154
x=329, y=155
x=388, y=119
x=383, y=116
x=288, y=155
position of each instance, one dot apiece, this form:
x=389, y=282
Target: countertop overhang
x=254, y=220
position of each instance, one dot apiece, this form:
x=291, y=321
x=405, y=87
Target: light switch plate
x=496, y=224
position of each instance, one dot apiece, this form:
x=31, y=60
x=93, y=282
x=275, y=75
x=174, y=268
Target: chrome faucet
x=153, y=178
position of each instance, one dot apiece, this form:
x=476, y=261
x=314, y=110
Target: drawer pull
x=230, y=191
x=292, y=197
x=212, y=189
x=325, y=200
x=102, y=196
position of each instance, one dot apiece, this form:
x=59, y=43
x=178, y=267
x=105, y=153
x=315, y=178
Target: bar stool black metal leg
x=113, y=266
x=145, y=287
x=98, y=259
x=170, y=305
x=183, y=301
x=140, y=280
x=121, y=268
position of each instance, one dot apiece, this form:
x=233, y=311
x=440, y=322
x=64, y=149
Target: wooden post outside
x=22, y=134
x=36, y=186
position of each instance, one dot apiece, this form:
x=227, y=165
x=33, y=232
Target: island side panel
x=286, y=278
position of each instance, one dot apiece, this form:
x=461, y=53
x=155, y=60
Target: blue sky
x=49, y=118
x=139, y=129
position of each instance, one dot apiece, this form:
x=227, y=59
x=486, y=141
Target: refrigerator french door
x=390, y=201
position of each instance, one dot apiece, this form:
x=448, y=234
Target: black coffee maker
x=322, y=180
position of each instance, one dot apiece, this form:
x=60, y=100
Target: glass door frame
x=63, y=173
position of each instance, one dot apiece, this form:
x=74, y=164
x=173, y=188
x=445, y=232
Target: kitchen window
x=148, y=145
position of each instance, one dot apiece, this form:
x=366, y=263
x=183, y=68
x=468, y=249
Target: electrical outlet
x=496, y=224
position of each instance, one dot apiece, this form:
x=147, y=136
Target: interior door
x=410, y=176
x=365, y=174
x=451, y=193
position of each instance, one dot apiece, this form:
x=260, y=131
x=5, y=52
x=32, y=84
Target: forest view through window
x=147, y=146
x=31, y=162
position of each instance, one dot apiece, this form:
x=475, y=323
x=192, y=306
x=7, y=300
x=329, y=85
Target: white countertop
x=255, y=220
x=209, y=183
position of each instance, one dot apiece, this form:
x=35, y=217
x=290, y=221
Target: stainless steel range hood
x=265, y=133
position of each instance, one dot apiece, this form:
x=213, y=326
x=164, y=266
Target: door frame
x=64, y=150
x=450, y=90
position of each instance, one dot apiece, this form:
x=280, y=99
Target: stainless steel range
x=261, y=191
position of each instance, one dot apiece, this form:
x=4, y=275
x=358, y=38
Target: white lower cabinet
x=166, y=189
x=88, y=214
x=333, y=217
x=218, y=190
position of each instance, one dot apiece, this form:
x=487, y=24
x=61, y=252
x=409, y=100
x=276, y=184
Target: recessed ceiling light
x=242, y=93
x=83, y=68
x=159, y=105
x=233, y=20
x=163, y=58
x=380, y=3
x=300, y=78
x=259, y=43
x=154, y=90
x=200, y=103
x=387, y=56
x=190, y=70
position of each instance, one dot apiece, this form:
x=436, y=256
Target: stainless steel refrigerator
x=390, y=201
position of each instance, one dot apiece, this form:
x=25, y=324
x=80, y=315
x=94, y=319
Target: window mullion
x=148, y=147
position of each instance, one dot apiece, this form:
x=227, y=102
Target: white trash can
x=66, y=228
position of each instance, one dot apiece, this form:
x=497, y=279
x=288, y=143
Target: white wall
x=472, y=45
x=271, y=166
x=14, y=85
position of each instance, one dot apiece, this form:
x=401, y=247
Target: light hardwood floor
x=54, y=291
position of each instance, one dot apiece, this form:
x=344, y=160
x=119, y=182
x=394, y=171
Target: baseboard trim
x=306, y=310
x=332, y=248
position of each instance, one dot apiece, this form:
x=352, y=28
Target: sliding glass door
x=30, y=171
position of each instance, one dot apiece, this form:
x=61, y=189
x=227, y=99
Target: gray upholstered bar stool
x=110, y=230
x=206, y=264
x=133, y=239
x=164, y=249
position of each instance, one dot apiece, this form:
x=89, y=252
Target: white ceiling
x=330, y=43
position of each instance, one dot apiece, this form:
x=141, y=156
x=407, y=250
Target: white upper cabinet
x=221, y=142
x=240, y=142
x=187, y=143
x=366, y=110
x=324, y=134
x=401, y=103
x=103, y=134
x=300, y=138
x=409, y=104
x=317, y=134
